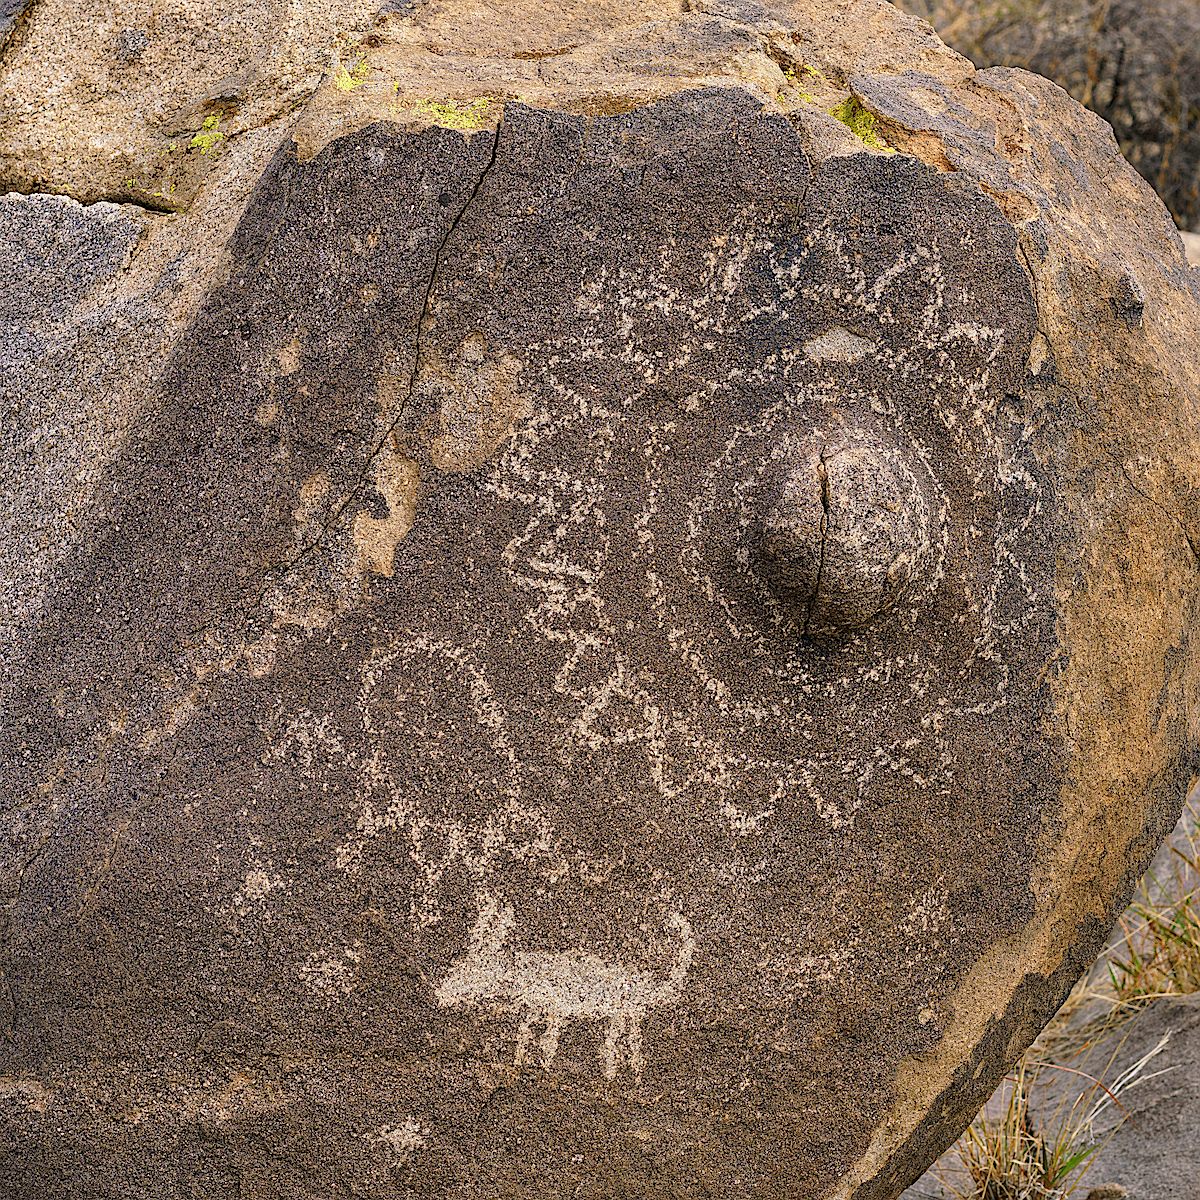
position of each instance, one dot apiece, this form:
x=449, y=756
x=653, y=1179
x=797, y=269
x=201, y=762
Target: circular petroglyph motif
x=845, y=534
x=613, y=719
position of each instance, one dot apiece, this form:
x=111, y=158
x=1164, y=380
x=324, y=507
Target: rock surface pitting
x=620, y=641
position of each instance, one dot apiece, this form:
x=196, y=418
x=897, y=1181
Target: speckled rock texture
x=627, y=638
x=1135, y=62
x=57, y=262
x=11, y=12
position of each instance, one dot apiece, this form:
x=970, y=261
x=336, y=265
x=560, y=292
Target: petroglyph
x=550, y=990
x=402, y=1139
x=794, y=525
x=441, y=771
x=332, y=974
x=261, y=880
x=888, y=532
x=620, y=514
x=839, y=345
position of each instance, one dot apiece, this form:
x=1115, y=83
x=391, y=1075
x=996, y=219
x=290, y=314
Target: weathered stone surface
x=91, y=299
x=55, y=259
x=1135, y=62
x=11, y=12
x=105, y=104
x=637, y=643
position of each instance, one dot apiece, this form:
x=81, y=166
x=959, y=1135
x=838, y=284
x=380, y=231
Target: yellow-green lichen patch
x=346, y=79
x=456, y=114
x=861, y=123
x=148, y=196
x=206, y=140
x=795, y=77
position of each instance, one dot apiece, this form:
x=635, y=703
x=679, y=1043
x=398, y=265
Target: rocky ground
x=1149, y=1142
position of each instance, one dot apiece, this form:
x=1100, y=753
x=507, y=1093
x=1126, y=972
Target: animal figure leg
x=612, y=1044
x=633, y=1028
x=549, y=1040
x=524, y=1037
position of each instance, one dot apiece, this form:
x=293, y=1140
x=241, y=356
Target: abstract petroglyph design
x=667, y=556
x=605, y=633
x=441, y=773
x=594, y=658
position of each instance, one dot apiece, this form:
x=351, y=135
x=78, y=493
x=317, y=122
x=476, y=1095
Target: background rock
x=1191, y=244
x=417, y=780
x=91, y=299
x=56, y=259
x=11, y=12
x=1135, y=62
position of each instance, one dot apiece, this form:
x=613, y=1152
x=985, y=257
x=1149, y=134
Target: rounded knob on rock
x=845, y=536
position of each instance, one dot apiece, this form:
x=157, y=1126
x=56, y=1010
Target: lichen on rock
x=860, y=122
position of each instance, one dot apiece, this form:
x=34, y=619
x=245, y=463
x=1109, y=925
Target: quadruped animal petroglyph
x=553, y=989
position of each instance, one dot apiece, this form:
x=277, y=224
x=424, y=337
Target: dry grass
x=1015, y=1157
x=1038, y=1142
x=1158, y=953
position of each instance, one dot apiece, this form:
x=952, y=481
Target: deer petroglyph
x=549, y=989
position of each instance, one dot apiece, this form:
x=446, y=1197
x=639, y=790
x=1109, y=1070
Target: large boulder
x=1135, y=62
x=623, y=631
